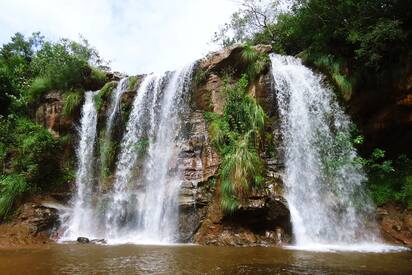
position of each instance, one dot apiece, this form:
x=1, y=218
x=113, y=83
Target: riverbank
x=35, y=226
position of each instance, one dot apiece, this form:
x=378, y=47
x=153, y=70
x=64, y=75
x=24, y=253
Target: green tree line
x=29, y=68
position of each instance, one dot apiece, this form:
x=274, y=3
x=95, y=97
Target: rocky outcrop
x=49, y=114
x=32, y=224
x=264, y=218
x=200, y=163
x=396, y=224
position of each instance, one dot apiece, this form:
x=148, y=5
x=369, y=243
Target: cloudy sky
x=135, y=35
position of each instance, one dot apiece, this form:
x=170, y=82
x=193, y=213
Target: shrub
x=34, y=152
x=38, y=88
x=256, y=62
x=132, y=82
x=98, y=76
x=237, y=137
x=12, y=187
x=71, y=102
x=103, y=95
x=200, y=76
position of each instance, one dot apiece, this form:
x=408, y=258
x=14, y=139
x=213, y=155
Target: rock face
x=396, y=224
x=264, y=219
x=33, y=224
x=199, y=162
x=384, y=113
x=49, y=114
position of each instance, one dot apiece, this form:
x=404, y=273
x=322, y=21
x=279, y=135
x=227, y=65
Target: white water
x=323, y=184
x=79, y=221
x=143, y=208
x=112, y=113
x=114, y=106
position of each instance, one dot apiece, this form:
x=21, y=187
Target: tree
x=253, y=17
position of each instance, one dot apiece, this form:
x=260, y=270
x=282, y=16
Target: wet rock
x=38, y=217
x=97, y=241
x=49, y=114
x=199, y=162
x=32, y=224
x=83, y=240
x=395, y=223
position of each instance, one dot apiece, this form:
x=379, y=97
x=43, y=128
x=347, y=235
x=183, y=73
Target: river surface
x=134, y=259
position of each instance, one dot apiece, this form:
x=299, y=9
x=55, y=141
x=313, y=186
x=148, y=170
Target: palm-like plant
x=236, y=135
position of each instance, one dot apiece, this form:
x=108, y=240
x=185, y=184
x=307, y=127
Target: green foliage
x=103, y=95
x=29, y=68
x=329, y=66
x=371, y=36
x=108, y=152
x=388, y=180
x=200, y=76
x=12, y=188
x=38, y=88
x=237, y=137
x=98, y=77
x=34, y=152
x=256, y=62
x=71, y=103
x=141, y=146
x=132, y=83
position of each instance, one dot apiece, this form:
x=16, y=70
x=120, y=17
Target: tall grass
x=237, y=136
x=328, y=65
x=255, y=62
x=103, y=95
x=71, y=102
x=12, y=187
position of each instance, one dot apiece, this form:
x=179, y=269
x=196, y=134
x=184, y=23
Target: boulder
x=83, y=240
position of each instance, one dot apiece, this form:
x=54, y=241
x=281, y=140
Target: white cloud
x=136, y=35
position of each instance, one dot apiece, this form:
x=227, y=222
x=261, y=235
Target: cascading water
x=112, y=113
x=80, y=220
x=143, y=207
x=323, y=182
x=121, y=199
x=157, y=208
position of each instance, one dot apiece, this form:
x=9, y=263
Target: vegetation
x=103, y=95
x=237, y=135
x=132, y=83
x=352, y=42
x=389, y=180
x=72, y=101
x=30, y=67
x=256, y=62
x=12, y=188
x=366, y=40
x=200, y=76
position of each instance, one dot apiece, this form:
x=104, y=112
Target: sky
x=136, y=36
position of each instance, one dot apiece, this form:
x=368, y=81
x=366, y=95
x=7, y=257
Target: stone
x=49, y=114
x=96, y=241
x=83, y=240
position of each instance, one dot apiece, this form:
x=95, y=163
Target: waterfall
x=323, y=182
x=157, y=208
x=80, y=220
x=112, y=112
x=143, y=205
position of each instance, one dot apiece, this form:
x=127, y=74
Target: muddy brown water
x=134, y=259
